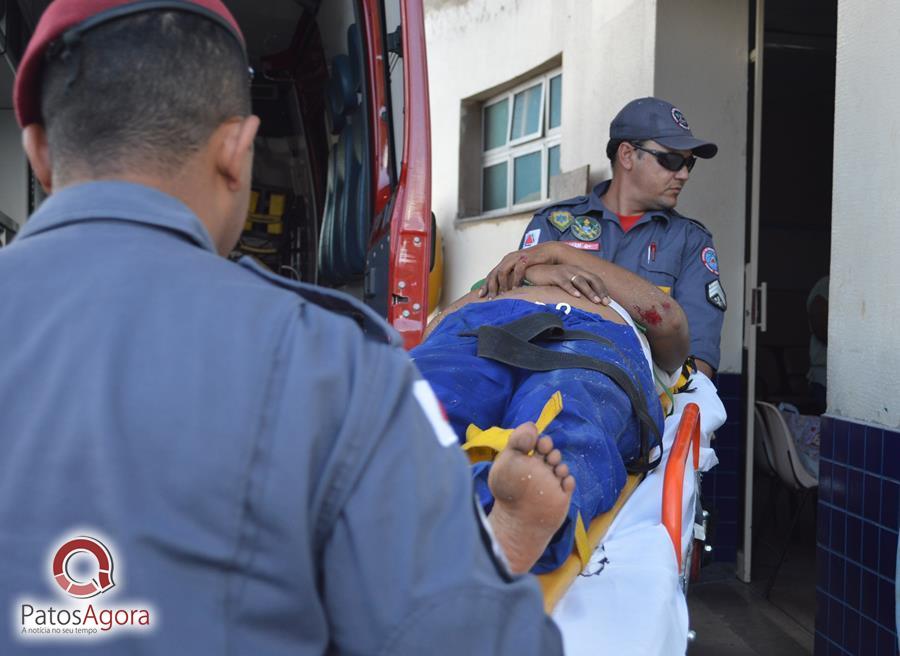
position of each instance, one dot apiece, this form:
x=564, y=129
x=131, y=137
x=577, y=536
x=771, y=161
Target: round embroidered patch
x=586, y=228
x=710, y=259
x=679, y=119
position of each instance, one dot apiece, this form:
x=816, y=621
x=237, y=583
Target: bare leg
x=531, y=496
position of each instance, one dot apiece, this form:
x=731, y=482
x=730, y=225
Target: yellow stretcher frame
x=687, y=440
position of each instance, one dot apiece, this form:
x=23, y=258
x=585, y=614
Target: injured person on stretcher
x=595, y=370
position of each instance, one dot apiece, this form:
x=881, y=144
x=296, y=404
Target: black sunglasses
x=669, y=161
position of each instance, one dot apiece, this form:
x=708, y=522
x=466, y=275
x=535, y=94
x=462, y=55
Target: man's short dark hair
x=140, y=93
x=612, y=147
x=612, y=150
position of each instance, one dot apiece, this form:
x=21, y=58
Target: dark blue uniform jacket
x=266, y=478
x=671, y=251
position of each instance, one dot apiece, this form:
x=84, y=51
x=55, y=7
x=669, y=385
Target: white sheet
x=629, y=600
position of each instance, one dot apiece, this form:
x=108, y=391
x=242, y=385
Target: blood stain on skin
x=650, y=317
x=666, y=305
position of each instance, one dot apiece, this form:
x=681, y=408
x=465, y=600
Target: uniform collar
x=117, y=200
x=595, y=202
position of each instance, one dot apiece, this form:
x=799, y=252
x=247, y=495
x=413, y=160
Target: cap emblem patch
x=679, y=119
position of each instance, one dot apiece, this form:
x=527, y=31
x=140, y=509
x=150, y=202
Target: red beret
x=63, y=15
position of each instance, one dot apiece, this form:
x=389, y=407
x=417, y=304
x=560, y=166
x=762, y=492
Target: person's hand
x=571, y=279
x=511, y=271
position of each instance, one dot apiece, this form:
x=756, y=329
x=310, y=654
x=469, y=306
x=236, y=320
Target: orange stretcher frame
x=687, y=438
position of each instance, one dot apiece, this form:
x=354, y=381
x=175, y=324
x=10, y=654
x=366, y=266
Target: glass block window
x=520, y=145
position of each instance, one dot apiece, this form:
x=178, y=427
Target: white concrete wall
x=607, y=51
x=701, y=67
x=13, y=168
x=692, y=52
x=864, y=303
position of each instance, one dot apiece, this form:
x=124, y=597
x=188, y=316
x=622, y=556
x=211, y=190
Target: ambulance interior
x=311, y=214
x=311, y=217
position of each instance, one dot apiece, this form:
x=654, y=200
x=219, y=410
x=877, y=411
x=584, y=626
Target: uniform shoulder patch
x=569, y=205
x=372, y=325
x=561, y=219
x=586, y=228
x=710, y=259
x=532, y=238
x=715, y=294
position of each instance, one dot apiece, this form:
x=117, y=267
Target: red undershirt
x=627, y=221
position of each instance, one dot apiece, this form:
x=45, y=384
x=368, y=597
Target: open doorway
x=795, y=187
x=311, y=208
x=795, y=190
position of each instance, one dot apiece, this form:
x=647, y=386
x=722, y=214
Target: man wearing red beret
x=200, y=457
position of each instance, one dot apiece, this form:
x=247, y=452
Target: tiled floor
x=734, y=618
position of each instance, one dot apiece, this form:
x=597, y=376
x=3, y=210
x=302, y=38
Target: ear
x=235, y=149
x=34, y=141
x=625, y=155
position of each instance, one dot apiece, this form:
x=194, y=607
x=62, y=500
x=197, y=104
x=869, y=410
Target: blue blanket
x=597, y=431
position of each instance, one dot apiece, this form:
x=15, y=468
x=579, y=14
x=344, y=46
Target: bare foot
x=531, y=496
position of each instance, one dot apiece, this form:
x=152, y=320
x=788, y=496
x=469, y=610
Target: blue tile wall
x=856, y=540
x=722, y=487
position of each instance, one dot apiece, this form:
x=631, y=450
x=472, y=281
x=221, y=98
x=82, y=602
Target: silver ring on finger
x=572, y=279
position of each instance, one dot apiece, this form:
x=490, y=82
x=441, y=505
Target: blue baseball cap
x=661, y=121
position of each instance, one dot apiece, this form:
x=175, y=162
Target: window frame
x=541, y=141
x=542, y=116
x=558, y=128
x=529, y=150
x=486, y=164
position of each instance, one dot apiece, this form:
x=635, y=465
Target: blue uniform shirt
x=671, y=251
x=268, y=480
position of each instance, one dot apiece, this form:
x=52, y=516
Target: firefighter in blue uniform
x=258, y=457
x=631, y=220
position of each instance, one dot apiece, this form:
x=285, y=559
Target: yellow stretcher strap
x=551, y=410
x=554, y=584
x=667, y=395
x=483, y=445
x=582, y=545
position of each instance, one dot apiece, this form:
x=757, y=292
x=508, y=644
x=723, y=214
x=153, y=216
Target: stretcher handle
x=686, y=438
